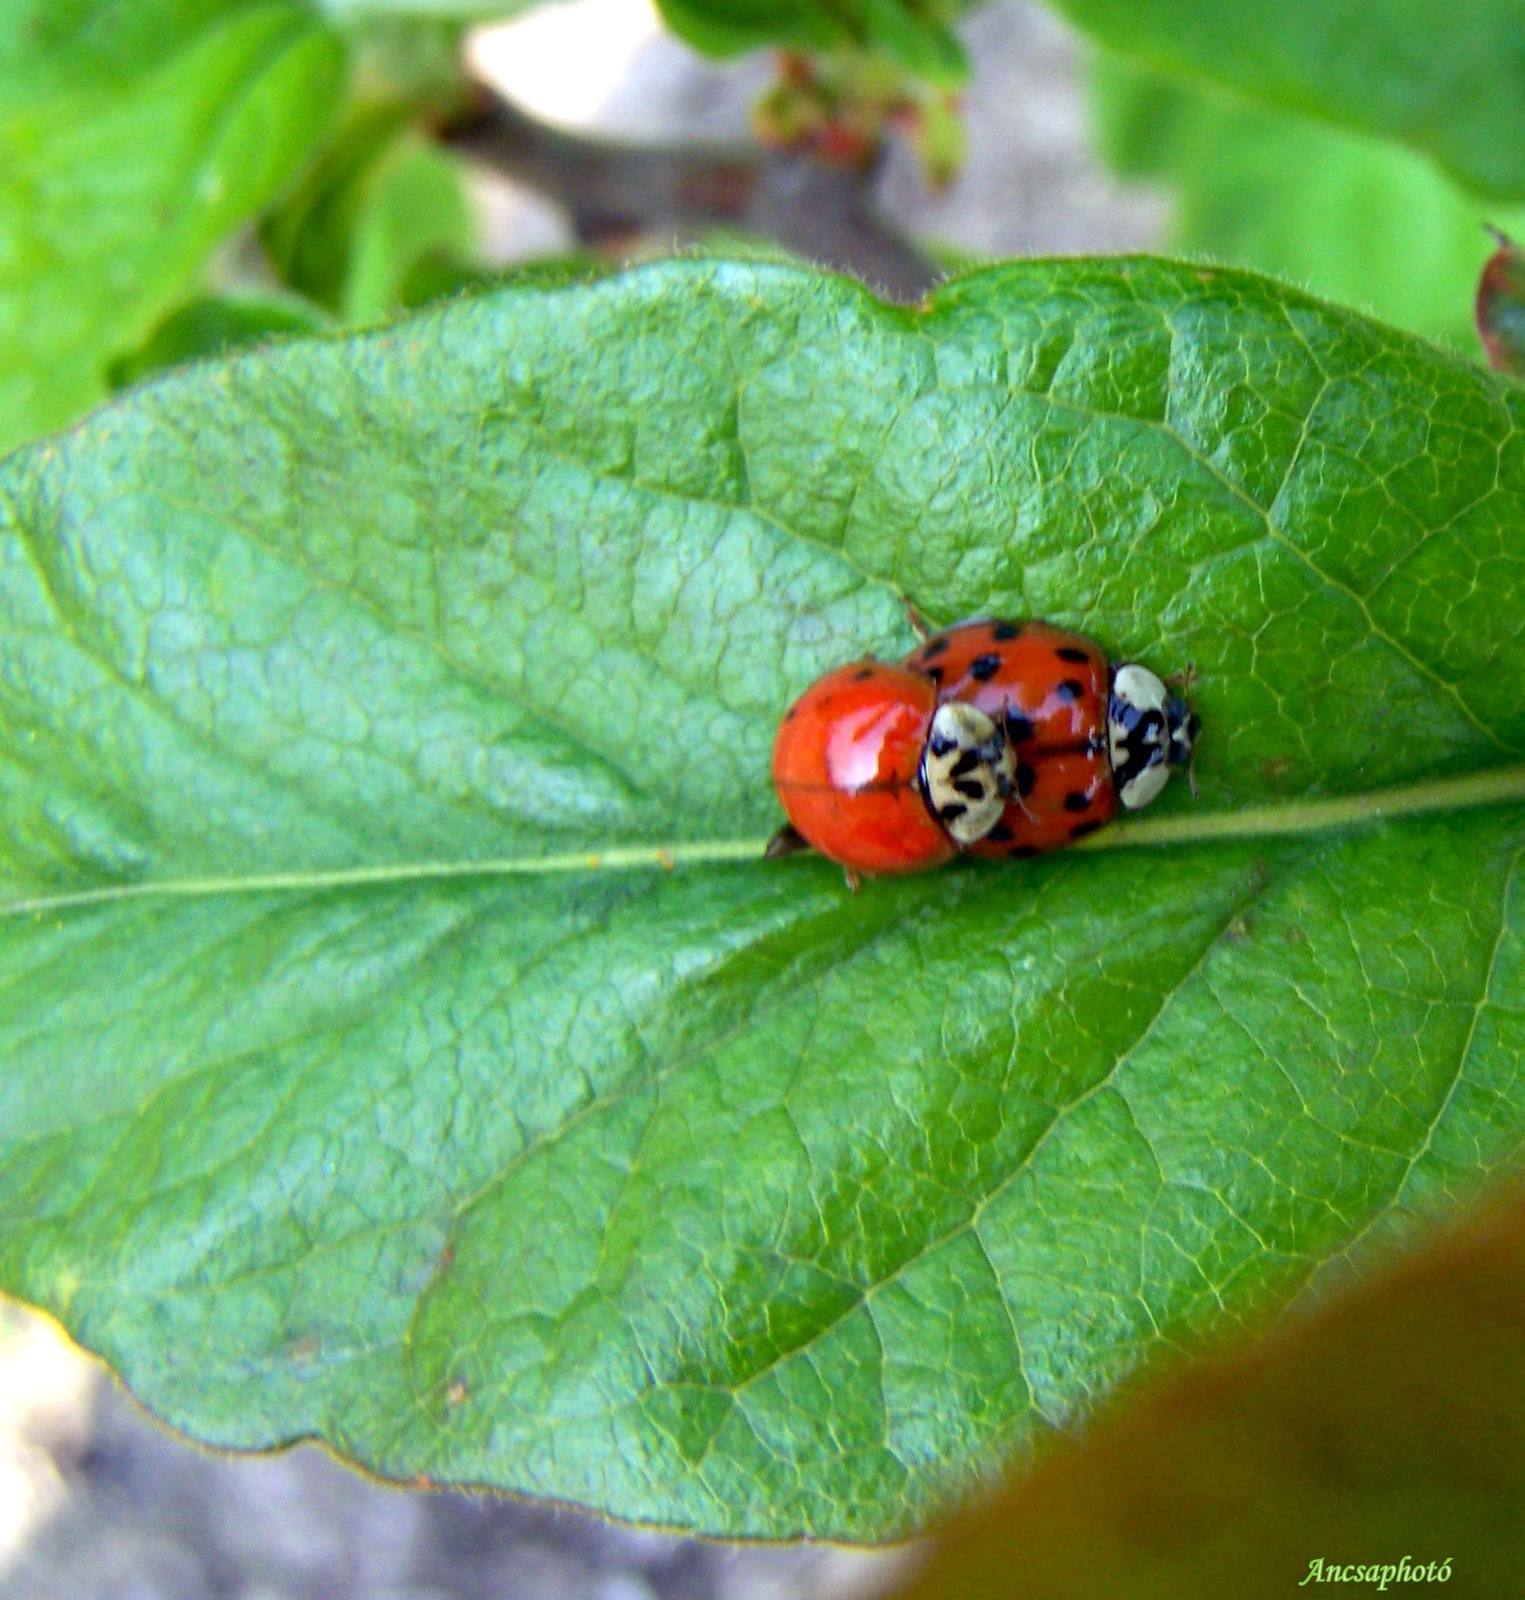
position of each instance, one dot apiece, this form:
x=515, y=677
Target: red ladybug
x=847, y=765
x=993, y=738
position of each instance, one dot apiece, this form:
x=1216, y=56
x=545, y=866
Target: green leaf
x=1380, y=1437
x=1447, y=79
x=381, y=203
x=917, y=34
x=365, y=1075
x=309, y=235
x=1362, y=220
x=212, y=326
x=415, y=12
x=415, y=211
x=132, y=139
x=60, y=48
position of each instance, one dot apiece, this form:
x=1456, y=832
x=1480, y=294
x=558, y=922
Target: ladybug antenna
x=1185, y=680
x=919, y=624
x=1016, y=794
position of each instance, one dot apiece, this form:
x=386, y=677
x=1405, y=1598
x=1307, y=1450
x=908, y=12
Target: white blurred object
x=609, y=68
x=47, y=1389
x=514, y=223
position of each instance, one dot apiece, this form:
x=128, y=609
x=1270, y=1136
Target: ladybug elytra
x=992, y=738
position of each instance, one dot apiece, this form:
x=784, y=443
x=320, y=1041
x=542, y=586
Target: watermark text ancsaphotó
x=1406, y=1571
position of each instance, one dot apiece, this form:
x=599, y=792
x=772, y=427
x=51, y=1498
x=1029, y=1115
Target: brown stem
x=614, y=191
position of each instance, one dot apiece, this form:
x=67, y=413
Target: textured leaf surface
x=132, y=139
x=721, y=1197
x=1448, y=79
x=1360, y=219
x=1383, y=1435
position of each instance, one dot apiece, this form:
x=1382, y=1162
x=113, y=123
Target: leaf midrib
x=1470, y=791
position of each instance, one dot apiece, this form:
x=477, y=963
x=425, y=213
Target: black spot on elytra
x=1081, y=829
x=953, y=811
x=1000, y=834
x=966, y=763
x=1068, y=652
x=1026, y=778
x=1076, y=801
x=941, y=745
x=1023, y=850
x=934, y=647
x=1018, y=727
x=984, y=668
x=970, y=789
x=862, y=674
x=1005, y=630
x=1070, y=690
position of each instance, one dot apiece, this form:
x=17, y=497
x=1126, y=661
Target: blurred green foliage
x=917, y=34
x=380, y=201
x=1443, y=76
x=1361, y=220
x=128, y=154
x=213, y=326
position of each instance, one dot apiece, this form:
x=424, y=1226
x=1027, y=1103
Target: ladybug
x=992, y=738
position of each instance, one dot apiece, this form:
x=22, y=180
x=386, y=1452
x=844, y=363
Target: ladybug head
x=1184, y=725
x=1149, y=731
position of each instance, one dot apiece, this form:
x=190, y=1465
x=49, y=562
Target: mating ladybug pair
x=991, y=739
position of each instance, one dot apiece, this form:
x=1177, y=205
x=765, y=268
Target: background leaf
x=1447, y=79
x=132, y=140
x=380, y=204
x=1362, y=220
x=363, y=12
x=720, y=1197
x=212, y=326
x=918, y=34
x=50, y=50
x=1389, y=1427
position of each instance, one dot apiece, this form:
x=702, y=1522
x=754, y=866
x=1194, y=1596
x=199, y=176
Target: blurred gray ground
x=96, y=1503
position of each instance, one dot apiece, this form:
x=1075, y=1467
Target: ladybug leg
x=1191, y=774
x=788, y=841
x=919, y=624
x=854, y=882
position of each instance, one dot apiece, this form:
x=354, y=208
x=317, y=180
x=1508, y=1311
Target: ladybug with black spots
x=992, y=738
